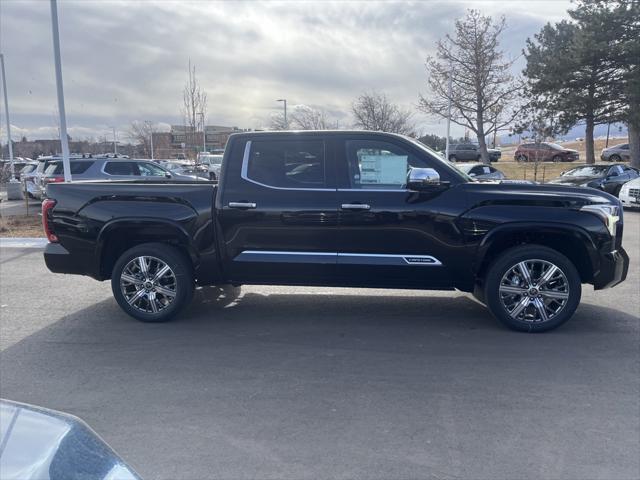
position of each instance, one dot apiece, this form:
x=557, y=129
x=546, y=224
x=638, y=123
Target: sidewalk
x=17, y=207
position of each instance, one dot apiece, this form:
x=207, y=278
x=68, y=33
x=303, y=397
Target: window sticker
x=383, y=169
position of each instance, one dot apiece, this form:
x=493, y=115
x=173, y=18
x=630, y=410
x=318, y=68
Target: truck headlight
x=609, y=214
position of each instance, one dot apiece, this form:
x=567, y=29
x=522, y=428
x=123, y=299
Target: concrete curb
x=23, y=242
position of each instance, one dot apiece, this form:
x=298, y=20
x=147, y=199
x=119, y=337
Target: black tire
x=505, y=264
x=212, y=176
x=556, y=158
x=181, y=278
x=615, y=158
x=452, y=158
x=522, y=158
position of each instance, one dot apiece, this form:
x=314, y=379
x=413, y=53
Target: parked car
x=471, y=151
x=616, y=153
x=630, y=194
x=18, y=164
x=606, y=177
x=112, y=169
x=38, y=443
x=213, y=163
x=36, y=176
x=186, y=168
x=374, y=210
x=480, y=171
x=544, y=152
x=27, y=178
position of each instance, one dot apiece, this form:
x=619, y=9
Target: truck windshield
x=589, y=171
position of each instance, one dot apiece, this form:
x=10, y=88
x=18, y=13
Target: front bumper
x=613, y=269
x=628, y=200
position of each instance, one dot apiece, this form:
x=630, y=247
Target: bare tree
x=483, y=92
x=374, y=111
x=194, y=103
x=307, y=118
x=276, y=122
x=140, y=134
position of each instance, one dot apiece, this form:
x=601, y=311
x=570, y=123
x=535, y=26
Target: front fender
x=536, y=232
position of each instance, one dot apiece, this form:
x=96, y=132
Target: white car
x=630, y=194
x=213, y=163
x=27, y=178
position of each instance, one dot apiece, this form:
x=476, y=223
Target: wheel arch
x=571, y=241
x=120, y=235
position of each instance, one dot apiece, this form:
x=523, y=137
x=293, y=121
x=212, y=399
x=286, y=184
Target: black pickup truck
x=345, y=209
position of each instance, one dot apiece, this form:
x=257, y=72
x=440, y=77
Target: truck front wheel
x=532, y=288
x=152, y=282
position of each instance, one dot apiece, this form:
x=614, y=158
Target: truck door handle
x=242, y=205
x=355, y=206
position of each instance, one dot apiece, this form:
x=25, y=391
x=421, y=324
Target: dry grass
x=21, y=226
x=527, y=171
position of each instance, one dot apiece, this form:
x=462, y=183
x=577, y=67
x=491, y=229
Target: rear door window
x=121, y=168
x=287, y=163
x=77, y=168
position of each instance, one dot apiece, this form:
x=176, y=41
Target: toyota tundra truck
x=339, y=209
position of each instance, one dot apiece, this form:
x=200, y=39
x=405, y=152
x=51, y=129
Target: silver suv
x=111, y=169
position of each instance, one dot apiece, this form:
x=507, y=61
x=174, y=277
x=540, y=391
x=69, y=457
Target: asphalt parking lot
x=281, y=382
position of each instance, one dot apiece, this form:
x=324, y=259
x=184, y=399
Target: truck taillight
x=47, y=205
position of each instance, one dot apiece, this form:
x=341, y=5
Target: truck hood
x=535, y=195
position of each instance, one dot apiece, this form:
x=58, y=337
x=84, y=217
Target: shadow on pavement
x=249, y=385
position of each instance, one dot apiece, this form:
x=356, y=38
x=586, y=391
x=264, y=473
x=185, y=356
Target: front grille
x=634, y=192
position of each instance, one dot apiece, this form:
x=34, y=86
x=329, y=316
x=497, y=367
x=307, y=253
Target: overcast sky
x=127, y=60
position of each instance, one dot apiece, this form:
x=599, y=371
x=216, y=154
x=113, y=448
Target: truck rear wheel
x=152, y=282
x=532, y=288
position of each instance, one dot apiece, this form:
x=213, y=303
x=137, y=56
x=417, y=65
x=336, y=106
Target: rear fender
x=122, y=234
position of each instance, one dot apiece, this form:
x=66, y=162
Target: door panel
x=278, y=215
x=390, y=236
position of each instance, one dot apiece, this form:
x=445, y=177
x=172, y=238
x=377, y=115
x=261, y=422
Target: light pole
x=115, y=141
x=150, y=124
x=64, y=141
x=13, y=187
x=446, y=152
x=204, y=133
x=284, y=100
x=6, y=113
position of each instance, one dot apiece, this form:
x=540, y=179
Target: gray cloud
x=125, y=60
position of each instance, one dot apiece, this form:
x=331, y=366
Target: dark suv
x=462, y=152
x=544, y=152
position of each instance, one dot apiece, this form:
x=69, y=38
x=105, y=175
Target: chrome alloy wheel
x=534, y=291
x=148, y=284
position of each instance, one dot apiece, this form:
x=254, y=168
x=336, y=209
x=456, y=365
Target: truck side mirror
x=423, y=179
